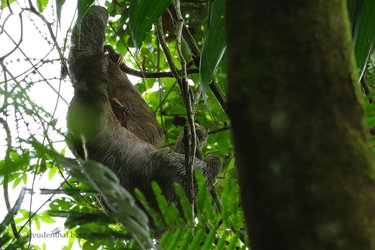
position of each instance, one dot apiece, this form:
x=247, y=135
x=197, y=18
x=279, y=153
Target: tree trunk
x=305, y=165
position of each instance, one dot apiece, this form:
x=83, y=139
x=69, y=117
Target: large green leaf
x=355, y=10
x=143, y=13
x=59, y=5
x=214, y=46
x=83, y=6
x=362, y=20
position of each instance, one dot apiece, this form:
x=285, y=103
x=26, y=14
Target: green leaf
x=363, y=30
x=355, y=9
x=221, y=242
x=185, y=240
x=59, y=5
x=233, y=242
x=196, y=239
x=83, y=6
x=17, y=182
x=8, y=218
x=5, y=4
x=143, y=13
x=185, y=204
x=120, y=201
x=24, y=178
x=15, y=157
x=209, y=239
x=52, y=172
x=37, y=222
x=152, y=212
x=166, y=238
x=46, y=218
x=41, y=4
x=172, y=244
x=214, y=46
x=169, y=211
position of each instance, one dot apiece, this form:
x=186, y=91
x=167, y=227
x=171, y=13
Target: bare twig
x=188, y=37
x=10, y=8
x=49, y=27
x=17, y=45
x=134, y=72
x=218, y=130
x=35, y=68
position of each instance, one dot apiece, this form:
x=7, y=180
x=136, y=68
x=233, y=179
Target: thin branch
x=164, y=98
x=197, y=98
x=4, y=23
x=191, y=141
x=67, y=183
x=35, y=68
x=168, y=55
x=49, y=27
x=137, y=73
x=218, y=130
x=17, y=45
x=184, y=89
x=10, y=8
x=5, y=104
x=180, y=25
x=187, y=36
x=194, y=50
x=220, y=97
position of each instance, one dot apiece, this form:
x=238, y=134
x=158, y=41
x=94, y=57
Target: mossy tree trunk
x=305, y=166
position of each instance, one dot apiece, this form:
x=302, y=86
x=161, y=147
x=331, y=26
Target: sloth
x=127, y=104
x=127, y=145
x=125, y=101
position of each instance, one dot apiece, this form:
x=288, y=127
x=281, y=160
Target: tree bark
x=304, y=162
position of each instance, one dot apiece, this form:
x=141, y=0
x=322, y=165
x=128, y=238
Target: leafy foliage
x=214, y=46
x=5, y=237
x=142, y=15
x=363, y=30
x=175, y=226
x=82, y=7
x=39, y=152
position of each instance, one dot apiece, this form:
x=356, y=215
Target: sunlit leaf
x=52, y=172
x=46, y=218
x=24, y=179
x=15, y=157
x=41, y=4
x=37, y=222
x=17, y=182
x=5, y=4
